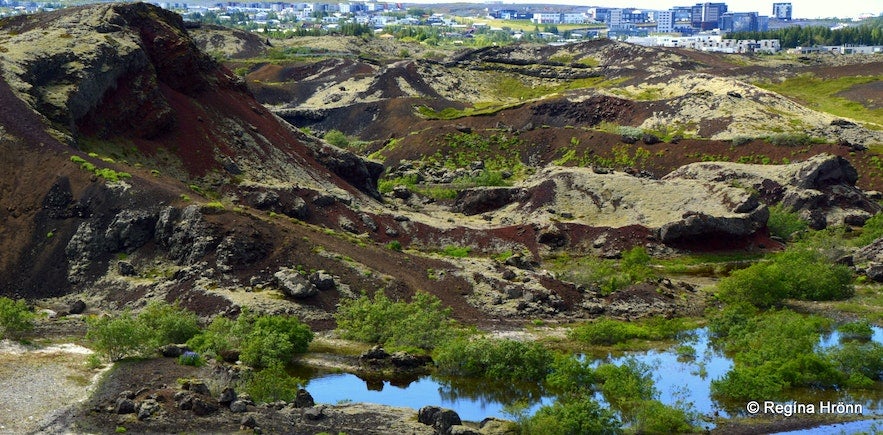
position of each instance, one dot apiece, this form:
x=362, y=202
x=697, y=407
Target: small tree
x=15, y=318
x=117, y=337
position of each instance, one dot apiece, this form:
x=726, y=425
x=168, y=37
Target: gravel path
x=38, y=384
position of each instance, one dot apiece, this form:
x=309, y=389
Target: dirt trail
x=41, y=384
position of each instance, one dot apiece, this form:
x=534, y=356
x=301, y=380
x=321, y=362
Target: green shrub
x=627, y=385
x=271, y=384
x=168, y=323
x=862, y=363
x=860, y=330
x=655, y=417
x=774, y=351
x=871, y=230
x=422, y=323
x=337, y=138
x=262, y=341
x=573, y=417
x=394, y=245
x=493, y=359
x=796, y=273
x=15, y=318
x=608, y=331
x=783, y=223
x=117, y=337
x=275, y=340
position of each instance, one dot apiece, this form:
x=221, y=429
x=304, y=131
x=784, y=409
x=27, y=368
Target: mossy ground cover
x=821, y=94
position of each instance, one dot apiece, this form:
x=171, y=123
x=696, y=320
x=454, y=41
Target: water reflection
x=682, y=374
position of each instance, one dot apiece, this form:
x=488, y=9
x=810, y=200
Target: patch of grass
x=456, y=251
x=822, y=94
x=610, y=332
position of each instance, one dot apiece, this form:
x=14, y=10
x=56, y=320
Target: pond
x=679, y=375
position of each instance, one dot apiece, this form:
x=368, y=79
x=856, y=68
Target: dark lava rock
x=126, y=269
x=875, y=273
x=440, y=419
x=125, y=406
x=484, y=199
x=303, y=399
x=173, y=350
x=77, y=307
x=203, y=407
x=228, y=395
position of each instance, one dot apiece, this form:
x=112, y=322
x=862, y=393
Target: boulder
x=202, y=407
x=294, y=285
x=125, y=406
x=238, y=406
x=77, y=307
x=303, y=399
x=228, y=395
x=322, y=280
x=484, y=199
x=875, y=272
x=439, y=418
x=125, y=268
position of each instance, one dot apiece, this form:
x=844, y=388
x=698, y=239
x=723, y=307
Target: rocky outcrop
x=678, y=209
x=294, y=285
x=821, y=189
x=185, y=235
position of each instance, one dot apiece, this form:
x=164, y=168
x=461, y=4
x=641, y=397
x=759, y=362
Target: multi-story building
x=665, y=21
x=706, y=16
x=739, y=22
x=782, y=11
x=546, y=17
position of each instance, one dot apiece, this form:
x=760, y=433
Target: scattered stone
x=440, y=419
x=238, y=406
x=77, y=307
x=126, y=269
x=125, y=406
x=147, y=409
x=315, y=413
x=460, y=429
x=203, y=407
x=509, y=274
x=228, y=395
x=322, y=280
x=173, y=350
x=875, y=272
x=347, y=225
x=247, y=422
x=303, y=399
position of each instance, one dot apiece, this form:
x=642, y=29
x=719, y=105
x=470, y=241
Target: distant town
x=702, y=26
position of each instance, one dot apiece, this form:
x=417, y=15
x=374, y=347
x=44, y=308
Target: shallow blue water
x=685, y=379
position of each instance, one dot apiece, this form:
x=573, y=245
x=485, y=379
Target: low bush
x=16, y=318
x=168, y=323
x=493, y=359
x=860, y=330
x=337, y=138
x=263, y=341
x=783, y=223
x=608, y=331
x=655, y=417
x=572, y=417
x=796, y=273
x=608, y=276
x=774, y=351
x=117, y=337
x=271, y=384
x=422, y=323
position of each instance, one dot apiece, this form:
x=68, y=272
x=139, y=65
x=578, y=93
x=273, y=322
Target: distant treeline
x=869, y=32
